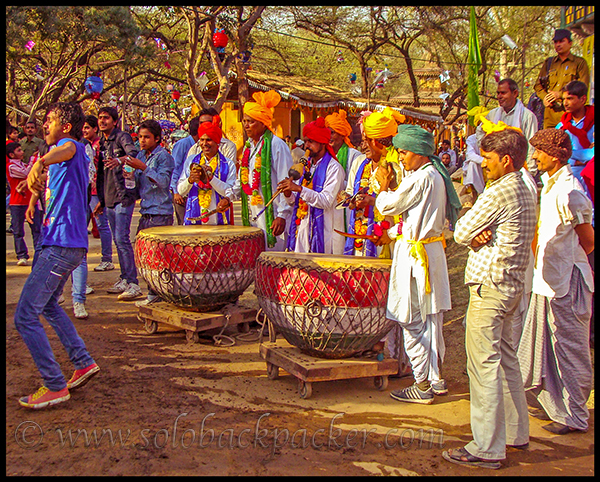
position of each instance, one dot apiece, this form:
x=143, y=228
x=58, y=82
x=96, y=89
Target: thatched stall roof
x=315, y=94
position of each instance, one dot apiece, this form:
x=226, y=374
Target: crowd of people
x=528, y=229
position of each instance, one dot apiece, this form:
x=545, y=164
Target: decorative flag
x=474, y=63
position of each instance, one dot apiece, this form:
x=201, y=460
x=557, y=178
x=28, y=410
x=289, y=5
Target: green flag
x=474, y=64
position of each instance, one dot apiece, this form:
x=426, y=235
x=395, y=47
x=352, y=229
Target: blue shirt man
x=64, y=246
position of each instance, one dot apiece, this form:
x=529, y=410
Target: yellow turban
x=382, y=124
x=337, y=121
x=479, y=113
x=263, y=106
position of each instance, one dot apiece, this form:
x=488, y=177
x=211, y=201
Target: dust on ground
x=162, y=406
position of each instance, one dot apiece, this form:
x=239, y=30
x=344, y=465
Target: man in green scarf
x=419, y=290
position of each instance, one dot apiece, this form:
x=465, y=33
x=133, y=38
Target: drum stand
x=308, y=369
x=194, y=322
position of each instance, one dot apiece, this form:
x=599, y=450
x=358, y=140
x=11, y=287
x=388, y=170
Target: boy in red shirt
x=16, y=173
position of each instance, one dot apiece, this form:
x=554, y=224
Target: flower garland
x=204, y=188
x=302, y=205
x=251, y=189
x=261, y=175
x=361, y=223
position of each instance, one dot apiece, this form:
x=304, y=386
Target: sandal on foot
x=462, y=457
x=560, y=429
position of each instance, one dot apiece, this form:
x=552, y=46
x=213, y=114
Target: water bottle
x=129, y=183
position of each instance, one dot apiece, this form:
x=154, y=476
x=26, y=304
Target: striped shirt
x=508, y=208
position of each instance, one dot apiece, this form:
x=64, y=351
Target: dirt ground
x=162, y=406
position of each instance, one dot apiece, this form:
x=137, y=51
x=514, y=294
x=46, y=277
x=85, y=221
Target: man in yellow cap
x=378, y=129
x=265, y=162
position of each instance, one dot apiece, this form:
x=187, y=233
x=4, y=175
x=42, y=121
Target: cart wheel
x=381, y=382
x=272, y=371
x=243, y=327
x=272, y=332
x=151, y=326
x=192, y=336
x=304, y=389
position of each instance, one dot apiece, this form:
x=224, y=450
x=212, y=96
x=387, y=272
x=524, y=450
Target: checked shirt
x=506, y=207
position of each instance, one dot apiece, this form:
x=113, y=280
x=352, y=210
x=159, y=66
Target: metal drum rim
x=310, y=261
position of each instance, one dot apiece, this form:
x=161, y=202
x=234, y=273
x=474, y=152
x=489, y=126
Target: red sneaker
x=44, y=398
x=82, y=376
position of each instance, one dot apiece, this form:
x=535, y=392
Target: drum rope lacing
x=314, y=326
x=201, y=274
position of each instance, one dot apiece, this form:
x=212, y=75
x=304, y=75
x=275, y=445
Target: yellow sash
x=418, y=251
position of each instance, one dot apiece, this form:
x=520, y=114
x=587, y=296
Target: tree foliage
x=138, y=50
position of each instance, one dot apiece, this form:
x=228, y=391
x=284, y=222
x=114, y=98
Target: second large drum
x=201, y=268
x=328, y=306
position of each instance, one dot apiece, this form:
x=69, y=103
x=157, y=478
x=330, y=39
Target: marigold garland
x=204, y=188
x=251, y=189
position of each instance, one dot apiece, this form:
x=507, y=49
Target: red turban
x=211, y=129
x=317, y=131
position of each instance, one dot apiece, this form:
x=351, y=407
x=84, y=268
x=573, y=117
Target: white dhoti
x=473, y=175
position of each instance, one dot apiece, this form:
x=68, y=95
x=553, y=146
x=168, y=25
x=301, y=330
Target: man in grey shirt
x=499, y=230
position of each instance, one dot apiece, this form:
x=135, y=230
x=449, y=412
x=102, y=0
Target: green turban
x=414, y=139
x=417, y=140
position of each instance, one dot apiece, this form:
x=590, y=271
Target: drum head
x=329, y=262
x=201, y=231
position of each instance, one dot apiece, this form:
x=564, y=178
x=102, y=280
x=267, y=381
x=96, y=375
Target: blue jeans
x=17, y=222
x=104, y=230
x=119, y=219
x=40, y=297
x=79, y=281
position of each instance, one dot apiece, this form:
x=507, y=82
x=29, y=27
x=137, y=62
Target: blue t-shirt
x=65, y=221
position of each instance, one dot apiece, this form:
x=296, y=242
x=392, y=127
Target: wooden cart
x=194, y=322
x=308, y=369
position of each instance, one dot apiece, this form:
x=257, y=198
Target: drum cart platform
x=194, y=322
x=308, y=369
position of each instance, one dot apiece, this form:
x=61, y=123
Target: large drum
x=328, y=306
x=201, y=268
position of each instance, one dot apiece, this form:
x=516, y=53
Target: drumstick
x=295, y=172
x=200, y=218
x=254, y=218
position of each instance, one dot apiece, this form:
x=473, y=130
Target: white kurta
x=521, y=117
x=421, y=198
x=229, y=187
x=472, y=171
x=373, y=186
x=353, y=155
x=226, y=147
x=326, y=200
x=281, y=161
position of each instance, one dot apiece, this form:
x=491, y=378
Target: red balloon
x=220, y=39
x=175, y=95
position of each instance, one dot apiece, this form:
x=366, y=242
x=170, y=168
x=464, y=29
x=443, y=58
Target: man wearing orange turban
x=314, y=199
x=211, y=180
x=266, y=160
